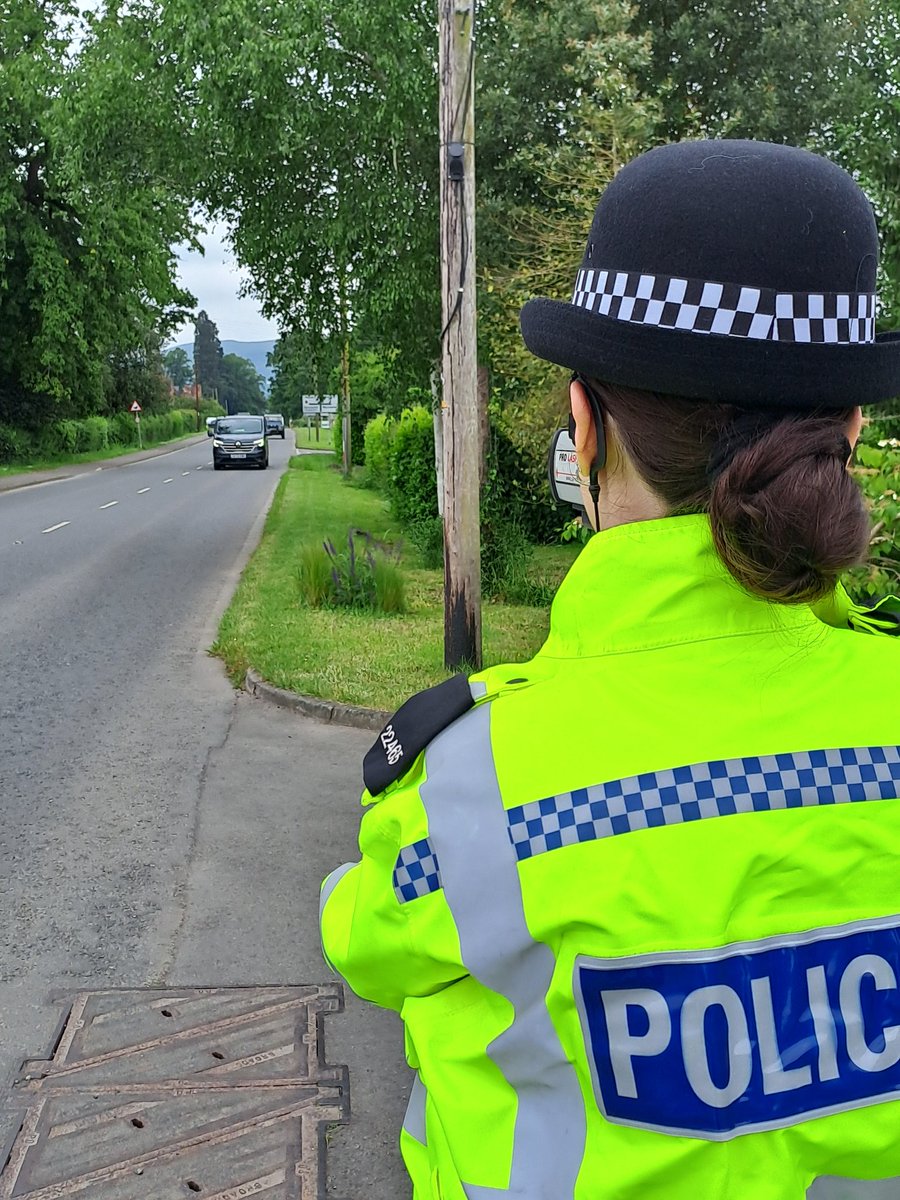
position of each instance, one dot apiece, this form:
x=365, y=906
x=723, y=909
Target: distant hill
x=256, y=352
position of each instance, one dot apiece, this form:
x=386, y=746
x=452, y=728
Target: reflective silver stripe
x=414, y=1121
x=330, y=884
x=468, y=827
x=324, y=896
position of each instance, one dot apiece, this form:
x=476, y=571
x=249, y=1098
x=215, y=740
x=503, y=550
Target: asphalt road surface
x=153, y=828
x=156, y=827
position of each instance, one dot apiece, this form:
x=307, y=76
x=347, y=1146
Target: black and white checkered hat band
x=831, y=318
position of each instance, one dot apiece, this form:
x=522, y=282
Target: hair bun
x=786, y=516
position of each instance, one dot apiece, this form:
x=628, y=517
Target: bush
x=878, y=471
x=413, y=486
x=123, y=430
x=62, y=437
x=10, y=444
x=93, y=434
x=518, y=485
x=505, y=556
x=378, y=442
x=427, y=535
x=209, y=408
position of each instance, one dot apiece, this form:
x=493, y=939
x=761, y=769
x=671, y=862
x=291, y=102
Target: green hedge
x=93, y=434
x=412, y=486
x=400, y=463
x=377, y=442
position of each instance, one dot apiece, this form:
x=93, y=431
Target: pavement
x=249, y=911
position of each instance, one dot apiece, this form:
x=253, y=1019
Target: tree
x=323, y=156
x=304, y=365
x=137, y=374
x=207, y=354
x=240, y=386
x=178, y=367
x=867, y=140
x=87, y=214
x=575, y=68
x=777, y=70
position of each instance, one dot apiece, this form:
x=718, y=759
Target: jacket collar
x=658, y=583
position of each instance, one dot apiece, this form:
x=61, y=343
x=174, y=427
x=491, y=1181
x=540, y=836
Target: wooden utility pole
x=459, y=404
x=346, y=446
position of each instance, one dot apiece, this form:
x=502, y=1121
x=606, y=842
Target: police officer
x=637, y=901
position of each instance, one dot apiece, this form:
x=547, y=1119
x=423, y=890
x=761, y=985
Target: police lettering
x=745, y=1038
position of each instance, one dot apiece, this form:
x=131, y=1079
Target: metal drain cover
x=215, y=1093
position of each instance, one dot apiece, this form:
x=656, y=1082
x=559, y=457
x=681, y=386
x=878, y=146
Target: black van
x=240, y=442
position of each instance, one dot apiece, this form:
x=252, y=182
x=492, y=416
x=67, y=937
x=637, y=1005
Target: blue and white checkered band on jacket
x=729, y=309
x=677, y=796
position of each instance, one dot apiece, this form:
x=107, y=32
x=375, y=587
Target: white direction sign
x=320, y=406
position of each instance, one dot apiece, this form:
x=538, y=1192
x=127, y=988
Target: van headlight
x=260, y=443
x=218, y=443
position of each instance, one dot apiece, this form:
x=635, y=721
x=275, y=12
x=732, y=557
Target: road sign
x=319, y=406
x=135, y=408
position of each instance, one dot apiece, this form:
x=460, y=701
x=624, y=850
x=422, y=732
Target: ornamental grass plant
x=366, y=575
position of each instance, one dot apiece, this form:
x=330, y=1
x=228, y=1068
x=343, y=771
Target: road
x=152, y=824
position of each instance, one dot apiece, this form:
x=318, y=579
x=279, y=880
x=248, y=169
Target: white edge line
x=133, y=462
x=111, y=503
x=53, y=528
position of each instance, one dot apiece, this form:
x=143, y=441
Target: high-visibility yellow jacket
x=639, y=907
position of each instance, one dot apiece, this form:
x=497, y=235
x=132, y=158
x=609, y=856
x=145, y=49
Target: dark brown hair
x=787, y=518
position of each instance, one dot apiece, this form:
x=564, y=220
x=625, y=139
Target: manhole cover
x=217, y=1093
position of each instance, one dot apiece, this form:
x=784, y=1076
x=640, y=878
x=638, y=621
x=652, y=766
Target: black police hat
x=735, y=271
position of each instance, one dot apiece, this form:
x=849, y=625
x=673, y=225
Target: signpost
x=319, y=406
x=136, y=409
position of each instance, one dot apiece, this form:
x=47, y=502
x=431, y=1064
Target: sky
x=214, y=278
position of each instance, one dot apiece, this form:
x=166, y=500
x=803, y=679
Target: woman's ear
x=585, y=438
x=854, y=429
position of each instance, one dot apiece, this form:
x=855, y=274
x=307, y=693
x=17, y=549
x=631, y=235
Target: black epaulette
x=411, y=728
x=883, y=617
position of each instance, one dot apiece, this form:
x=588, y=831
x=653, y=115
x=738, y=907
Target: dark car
x=240, y=441
x=275, y=425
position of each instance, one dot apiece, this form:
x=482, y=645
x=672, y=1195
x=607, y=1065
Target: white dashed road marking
x=185, y=472
x=53, y=528
x=200, y=468
x=168, y=481
x=142, y=490
x=111, y=503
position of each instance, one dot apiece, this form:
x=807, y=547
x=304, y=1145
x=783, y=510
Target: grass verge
x=358, y=658
x=306, y=438
x=89, y=456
